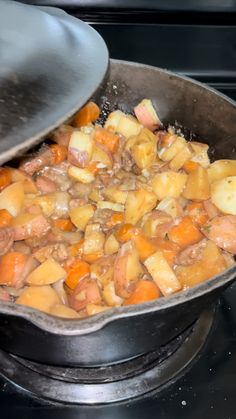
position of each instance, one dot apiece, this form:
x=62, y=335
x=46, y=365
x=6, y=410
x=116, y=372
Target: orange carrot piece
x=5, y=218
x=78, y=270
x=197, y=212
x=89, y=113
x=107, y=138
x=124, y=233
x=92, y=167
x=92, y=257
x=77, y=248
x=116, y=219
x=185, y=233
x=59, y=153
x=144, y=291
x=144, y=246
x=5, y=177
x=168, y=248
x=63, y=224
x=11, y=266
x=189, y=166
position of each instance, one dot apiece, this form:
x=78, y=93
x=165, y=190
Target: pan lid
x=50, y=65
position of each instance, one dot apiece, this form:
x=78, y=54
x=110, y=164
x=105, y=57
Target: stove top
x=205, y=387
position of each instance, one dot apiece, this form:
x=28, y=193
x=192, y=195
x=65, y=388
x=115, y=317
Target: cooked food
x=112, y=215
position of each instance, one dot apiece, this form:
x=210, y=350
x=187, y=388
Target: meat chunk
x=7, y=237
x=45, y=185
x=222, y=231
x=191, y=254
x=35, y=226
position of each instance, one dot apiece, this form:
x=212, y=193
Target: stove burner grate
x=111, y=383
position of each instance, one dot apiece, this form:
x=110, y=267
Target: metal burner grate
x=111, y=383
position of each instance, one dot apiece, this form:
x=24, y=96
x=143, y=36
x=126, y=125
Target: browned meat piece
x=102, y=216
x=87, y=291
x=38, y=226
x=191, y=254
x=58, y=251
x=7, y=237
x=4, y=295
x=45, y=185
x=42, y=159
x=222, y=231
x=80, y=190
x=62, y=135
x=78, y=202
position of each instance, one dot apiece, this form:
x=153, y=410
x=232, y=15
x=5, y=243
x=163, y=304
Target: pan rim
x=71, y=327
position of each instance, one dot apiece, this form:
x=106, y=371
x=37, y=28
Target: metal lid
x=50, y=65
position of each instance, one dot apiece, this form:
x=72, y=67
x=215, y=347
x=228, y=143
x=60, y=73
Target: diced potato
x=81, y=175
x=128, y=126
x=211, y=264
x=113, y=120
x=80, y=148
x=93, y=239
x=113, y=193
x=133, y=267
x=138, y=203
x=171, y=206
x=96, y=195
x=80, y=216
x=111, y=245
x=162, y=274
x=147, y=115
x=12, y=198
x=110, y=205
x=144, y=154
x=221, y=169
x=110, y=296
x=57, y=202
x=103, y=158
x=180, y=158
x=168, y=184
x=200, y=151
x=42, y=298
x=223, y=194
x=28, y=183
x=60, y=310
x=47, y=273
x=197, y=186
x=167, y=154
x=95, y=309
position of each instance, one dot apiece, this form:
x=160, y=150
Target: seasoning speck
x=183, y=402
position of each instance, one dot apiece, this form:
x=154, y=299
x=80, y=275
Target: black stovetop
x=207, y=388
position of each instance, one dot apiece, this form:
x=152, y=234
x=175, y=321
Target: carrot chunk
x=144, y=246
x=144, y=291
x=89, y=113
x=79, y=269
x=59, y=153
x=5, y=218
x=107, y=138
x=11, y=266
x=189, y=166
x=197, y=212
x=5, y=177
x=124, y=233
x=185, y=233
x=63, y=224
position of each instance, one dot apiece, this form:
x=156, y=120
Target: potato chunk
x=80, y=216
x=223, y=194
x=211, y=264
x=221, y=169
x=47, y=273
x=12, y=198
x=197, y=186
x=137, y=204
x=162, y=274
x=168, y=184
x=42, y=298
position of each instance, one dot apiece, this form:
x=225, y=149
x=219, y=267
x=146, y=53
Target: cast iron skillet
x=126, y=332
